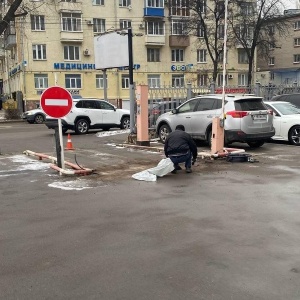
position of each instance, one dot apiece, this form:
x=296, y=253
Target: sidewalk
x=3, y=119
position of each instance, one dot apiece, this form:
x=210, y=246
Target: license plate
x=260, y=117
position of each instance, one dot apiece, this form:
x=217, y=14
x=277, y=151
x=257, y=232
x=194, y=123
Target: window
x=37, y=22
x=200, y=31
x=177, y=55
x=297, y=25
x=272, y=76
x=245, y=32
x=71, y=52
x=271, y=29
x=177, y=28
x=220, y=79
x=98, y=2
x=99, y=25
x=154, y=81
x=246, y=8
x=297, y=42
x=153, y=54
x=179, y=8
x=201, y=56
x=39, y=52
x=125, y=82
x=202, y=79
x=100, y=81
x=177, y=80
x=242, y=79
x=71, y=21
x=221, y=9
x=221, y=57
x=242, y=56
x=202, y=5
x=271, y=61
x=221, y=31
x=40, y=81
x=73, y=81
x=124, y=3
x=189, y=106
x=155, y=28
x=297, y=58
x=155, y=3
x=206, y=104
x=125, y=24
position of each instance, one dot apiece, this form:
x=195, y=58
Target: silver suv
x=89, y=114
x=248, y=120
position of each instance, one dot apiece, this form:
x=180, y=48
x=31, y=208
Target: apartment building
x=283, y=65
x=54, y=45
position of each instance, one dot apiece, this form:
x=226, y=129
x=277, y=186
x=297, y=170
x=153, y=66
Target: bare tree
x=207, y=23
x=10, y=15
x=253, y=25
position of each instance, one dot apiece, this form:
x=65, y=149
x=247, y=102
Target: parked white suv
x=247, y=119
x=89, y=114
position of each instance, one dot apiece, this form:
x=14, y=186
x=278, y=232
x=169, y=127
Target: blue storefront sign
x=181, y=67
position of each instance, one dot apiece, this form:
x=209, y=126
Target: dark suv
x=292, y=98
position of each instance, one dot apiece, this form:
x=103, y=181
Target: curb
x=75, y=170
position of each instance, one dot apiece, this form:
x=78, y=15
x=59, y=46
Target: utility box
x=142, y=117
x=217, y=136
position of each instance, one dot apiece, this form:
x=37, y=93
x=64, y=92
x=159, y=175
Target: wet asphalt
x=226, y=231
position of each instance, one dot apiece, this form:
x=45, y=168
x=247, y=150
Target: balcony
x=179, y=41
x=154, y=12
x=155, y=40
x=70, y=6
x=71, y=36
x=10, y=41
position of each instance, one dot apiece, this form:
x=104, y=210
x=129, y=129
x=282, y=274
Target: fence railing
x=170, y=96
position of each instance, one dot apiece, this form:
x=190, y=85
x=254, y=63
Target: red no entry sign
x=56, y=102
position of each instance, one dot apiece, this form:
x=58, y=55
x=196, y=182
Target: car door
x=93, y=111
x=109, y=113
x=206, y=110
x=184, y=114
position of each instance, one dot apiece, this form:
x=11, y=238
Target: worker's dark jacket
x=179, y=142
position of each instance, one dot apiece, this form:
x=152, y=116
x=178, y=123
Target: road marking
x=56, y=102
x=5, y=126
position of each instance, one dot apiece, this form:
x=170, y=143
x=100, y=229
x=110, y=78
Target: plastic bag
x=144, y=175
x=164, y=167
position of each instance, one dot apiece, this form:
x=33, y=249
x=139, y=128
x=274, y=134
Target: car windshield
x=286, y=108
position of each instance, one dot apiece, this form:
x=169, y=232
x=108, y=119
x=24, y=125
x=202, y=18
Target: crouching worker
x=180, y=147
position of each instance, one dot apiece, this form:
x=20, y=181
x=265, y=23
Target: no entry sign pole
x=57, y=103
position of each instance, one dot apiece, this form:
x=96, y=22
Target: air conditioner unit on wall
x=142, y=26
x=230, y=76
x=90, y=22
x=86, y=52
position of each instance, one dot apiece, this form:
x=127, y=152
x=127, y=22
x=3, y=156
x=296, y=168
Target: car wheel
x=255, y=144
x=163, y=132
x=39, y=119
x=294, y=135
x=82, y=126
x=125, y=123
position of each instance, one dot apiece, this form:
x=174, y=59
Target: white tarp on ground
x=164, y=167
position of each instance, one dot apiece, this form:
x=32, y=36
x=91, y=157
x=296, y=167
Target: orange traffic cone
x=69, y=143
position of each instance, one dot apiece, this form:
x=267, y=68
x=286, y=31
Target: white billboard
x=111, y=51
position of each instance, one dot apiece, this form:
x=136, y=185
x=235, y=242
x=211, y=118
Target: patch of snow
x=77, y=185
x=110, y=133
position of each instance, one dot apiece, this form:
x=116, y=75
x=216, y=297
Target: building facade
x=283, y=65
x=54, y=45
